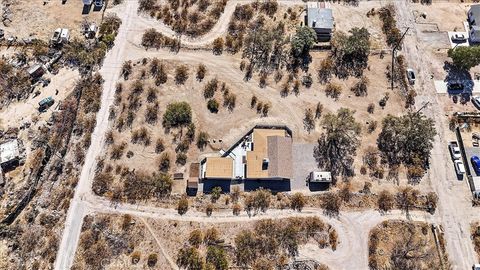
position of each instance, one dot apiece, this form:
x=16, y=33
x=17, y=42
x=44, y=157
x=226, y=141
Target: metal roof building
x=9, y=151
x=320, y=19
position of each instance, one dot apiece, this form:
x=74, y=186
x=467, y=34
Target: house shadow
x=318, y=186
x=273, y=185
x=209, y=184
x=86, y=9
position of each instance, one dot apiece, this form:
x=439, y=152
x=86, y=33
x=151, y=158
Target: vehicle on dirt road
x=454, y=150
x=455, y=87
x=45, y=103
x=459, y=167
x=459, y=38
x=411, y=76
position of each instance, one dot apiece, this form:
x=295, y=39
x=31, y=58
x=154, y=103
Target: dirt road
x=454, y=206
x=111, y=72
x=454, y=211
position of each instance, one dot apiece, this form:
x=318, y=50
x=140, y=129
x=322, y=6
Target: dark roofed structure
x=320, y=19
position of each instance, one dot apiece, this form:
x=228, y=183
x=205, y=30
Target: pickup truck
x=455, y=150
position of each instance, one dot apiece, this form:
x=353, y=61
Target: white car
x=459, y=167
x=98, y=3
x=476, y=101
x=411, y=76
x=455, y=150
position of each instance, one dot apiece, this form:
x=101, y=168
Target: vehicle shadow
x=86, y=9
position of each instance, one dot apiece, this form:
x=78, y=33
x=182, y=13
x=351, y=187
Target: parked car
x=454, y=150
x=459, y=167
x=476, y=101
x=45, y=103
x=476, y=266
x=459, y=38
x=98, y=3
x=455, y=87
x=411, y=76
x=475, y=164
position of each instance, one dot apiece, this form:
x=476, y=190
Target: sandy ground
x=16, y=114
x=34, y=19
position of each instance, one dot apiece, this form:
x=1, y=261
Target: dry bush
x=333, y=90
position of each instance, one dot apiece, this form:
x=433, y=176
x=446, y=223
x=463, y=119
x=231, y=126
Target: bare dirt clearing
x=34, y=19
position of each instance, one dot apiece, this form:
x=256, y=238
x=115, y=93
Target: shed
x=320, y=177
x=36, y=71
x=9, y=153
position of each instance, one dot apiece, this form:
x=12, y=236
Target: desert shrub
x=202, y=140
x=182, y=206
x=196, y=238
x=360, y=87
x=181, y=159
x=212, y=105
x=181, y=74
x=152, y=259
x=177, y=114
x=210, y=88
x=298, y=201
x=218, y=45
x=258, y=200
x=164, y=162
x=101, y=183
x=333, y=90
x=201, y=71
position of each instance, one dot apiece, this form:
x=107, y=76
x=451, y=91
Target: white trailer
x=320, y=177
x=475, y=186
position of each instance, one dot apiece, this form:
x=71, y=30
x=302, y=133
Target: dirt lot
x=34, y=19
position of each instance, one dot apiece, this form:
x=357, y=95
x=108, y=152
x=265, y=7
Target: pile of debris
x=12, y=152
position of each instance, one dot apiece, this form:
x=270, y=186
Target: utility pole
x=393, y=55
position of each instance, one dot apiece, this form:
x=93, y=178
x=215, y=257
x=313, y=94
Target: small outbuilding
x=320, y=177
x=9, y=154
x=320, y=19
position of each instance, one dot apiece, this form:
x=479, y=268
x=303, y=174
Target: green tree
x=162, y=184
x=385, y=201
x=338, y=144
x=407, y=139
x=217, y=257
x=216, y=192
x=350, y=52
x=303, y=40
x=177, y=114
x=465, y=57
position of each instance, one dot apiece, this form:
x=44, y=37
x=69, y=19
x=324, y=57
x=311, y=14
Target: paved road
x=454, y=207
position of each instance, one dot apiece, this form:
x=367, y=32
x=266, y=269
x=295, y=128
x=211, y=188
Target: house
x=9, y=154
x=320, y=19
x=264, y=153
x=474, y=22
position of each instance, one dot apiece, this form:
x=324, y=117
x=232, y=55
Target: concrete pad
x=453, y=44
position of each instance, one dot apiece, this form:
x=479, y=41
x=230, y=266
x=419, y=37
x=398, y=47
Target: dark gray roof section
x=320, y=18
x=474, y=14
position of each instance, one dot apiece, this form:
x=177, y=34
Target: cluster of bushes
x=153, y=39
x=15, y=84
x=134, y=186
x=193, y=18
x=389, y=25
x=261, y=107
x=273, y=242
x=190, y=257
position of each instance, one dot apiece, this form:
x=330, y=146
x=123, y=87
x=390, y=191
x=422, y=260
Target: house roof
x=474, y=13
x=280, y=157
x=219, y=167
x=319, y=17
x=9, y=151
x=255, y=158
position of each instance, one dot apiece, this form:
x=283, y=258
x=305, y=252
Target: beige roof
x=280, y=157
x=219, y=167
x=260, y=152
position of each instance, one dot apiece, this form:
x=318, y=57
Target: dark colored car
x=455, y=87
x=475, y=164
